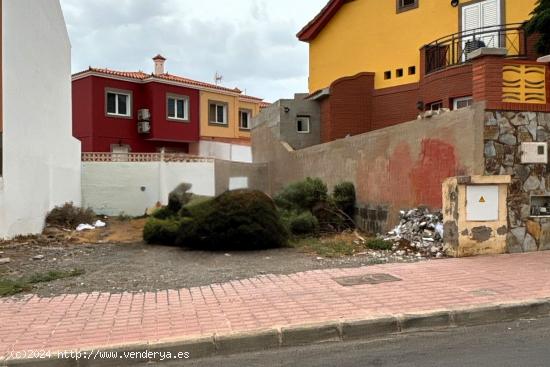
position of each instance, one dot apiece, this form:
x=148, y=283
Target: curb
x=291, y=336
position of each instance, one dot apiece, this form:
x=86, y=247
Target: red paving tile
x=101, y=319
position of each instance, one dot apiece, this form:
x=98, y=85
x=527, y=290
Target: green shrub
x=70, y=216
x=379, y=244
x=235, y=220
x=162, y=231
x=303, y=223
x=163, y=213
x=344, y=198
x=302, y=196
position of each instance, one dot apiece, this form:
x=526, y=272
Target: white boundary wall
x=223, y=151
x=41, y=159
x=111, y=188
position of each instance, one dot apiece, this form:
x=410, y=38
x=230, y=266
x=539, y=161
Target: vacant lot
x=134, y=266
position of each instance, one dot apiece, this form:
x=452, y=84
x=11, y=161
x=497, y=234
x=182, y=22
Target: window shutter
x=471, y=17
x=212, y=113
x=490, y=13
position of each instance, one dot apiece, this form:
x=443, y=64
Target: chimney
x=159, y=64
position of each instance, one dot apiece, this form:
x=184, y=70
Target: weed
x=9, y=287
x=379, y=244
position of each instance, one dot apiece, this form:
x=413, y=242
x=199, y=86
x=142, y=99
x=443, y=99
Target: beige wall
x=394, y=168
x=470, y=238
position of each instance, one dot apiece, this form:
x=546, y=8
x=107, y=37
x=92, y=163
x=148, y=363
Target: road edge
x=307, y=334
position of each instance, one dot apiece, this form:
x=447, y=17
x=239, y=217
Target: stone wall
x=394, y=168
x=504, y=133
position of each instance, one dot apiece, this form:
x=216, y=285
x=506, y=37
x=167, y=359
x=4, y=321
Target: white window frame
x=456, y=101
x=305, y=118
x=117, y=93
x=490, y=39
x=249, y=120
x=177, y=98
x=225, y=113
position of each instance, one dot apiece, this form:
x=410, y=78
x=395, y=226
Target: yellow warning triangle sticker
x=482, y=200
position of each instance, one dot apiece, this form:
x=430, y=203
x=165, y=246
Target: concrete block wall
x=394, y=168
x=281, y=118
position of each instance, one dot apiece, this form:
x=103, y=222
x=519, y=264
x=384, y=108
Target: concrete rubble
x=419, y=233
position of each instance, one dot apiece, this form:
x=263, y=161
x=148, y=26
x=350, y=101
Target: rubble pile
x=419, y=232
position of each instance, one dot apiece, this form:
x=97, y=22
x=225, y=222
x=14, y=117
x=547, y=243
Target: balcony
x=453, y=50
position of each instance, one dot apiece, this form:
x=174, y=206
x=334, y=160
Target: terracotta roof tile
x=176, y=78
x=140, y=75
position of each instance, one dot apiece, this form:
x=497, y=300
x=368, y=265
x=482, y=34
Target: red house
x=137, y=112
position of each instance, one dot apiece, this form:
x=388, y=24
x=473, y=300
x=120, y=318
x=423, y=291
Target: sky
x=252, y=43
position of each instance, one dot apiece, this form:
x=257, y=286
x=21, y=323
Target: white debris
x=99, y=224
x=419, y=232
x=5, y=260
x=84, y=227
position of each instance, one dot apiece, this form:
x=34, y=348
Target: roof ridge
x=140, y=75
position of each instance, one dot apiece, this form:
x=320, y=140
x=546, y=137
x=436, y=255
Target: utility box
x=475, y=215
x=481, y=203
x=534, y=153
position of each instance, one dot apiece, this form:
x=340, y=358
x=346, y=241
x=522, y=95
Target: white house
x=40, y=158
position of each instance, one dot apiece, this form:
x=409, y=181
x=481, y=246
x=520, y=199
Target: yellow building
x=225, y=122
x=385, y=36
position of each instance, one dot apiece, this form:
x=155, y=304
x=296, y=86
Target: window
x=118, y=103
x=387, y=75
x=217, y=113
x=404, y=5
x=178, y=108
x=302, y=124
x=399, y=73
x=412, y=70
x=462, y=102
x=245, y=117
x=435, y=106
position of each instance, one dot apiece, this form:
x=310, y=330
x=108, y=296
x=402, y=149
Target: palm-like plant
x=540, y=23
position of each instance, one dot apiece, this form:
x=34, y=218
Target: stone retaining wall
x=503, y=133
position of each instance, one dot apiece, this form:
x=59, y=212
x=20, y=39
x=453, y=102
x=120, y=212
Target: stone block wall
x=503, y=134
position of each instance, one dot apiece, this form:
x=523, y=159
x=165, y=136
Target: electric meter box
x=534, y=153
x=482, y=203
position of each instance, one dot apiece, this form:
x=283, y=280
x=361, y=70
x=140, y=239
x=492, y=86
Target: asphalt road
x=524, y=343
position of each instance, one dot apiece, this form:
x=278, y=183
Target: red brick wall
x=348, y=109
x=394, y=105
x=355, y=107
x=487, y=77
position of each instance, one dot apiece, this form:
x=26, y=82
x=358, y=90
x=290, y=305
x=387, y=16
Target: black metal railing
x=454, y=49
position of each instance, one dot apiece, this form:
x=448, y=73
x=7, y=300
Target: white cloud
x=251, y=42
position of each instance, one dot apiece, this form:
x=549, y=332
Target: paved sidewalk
x=101, y=320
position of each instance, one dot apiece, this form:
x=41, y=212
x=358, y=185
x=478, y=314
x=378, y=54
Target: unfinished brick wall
x=355, y=107
x=348, y=110
x=394, y=168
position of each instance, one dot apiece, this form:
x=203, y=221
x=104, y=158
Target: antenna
x=218, y=78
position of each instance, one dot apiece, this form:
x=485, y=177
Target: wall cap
x=544, y=59
x=490, y=180
x=487, y=51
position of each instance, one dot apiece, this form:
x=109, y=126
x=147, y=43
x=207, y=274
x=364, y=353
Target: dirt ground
x=114, y=259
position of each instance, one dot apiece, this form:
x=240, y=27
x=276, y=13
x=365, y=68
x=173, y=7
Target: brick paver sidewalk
x=94, y=320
